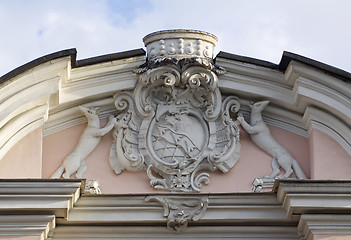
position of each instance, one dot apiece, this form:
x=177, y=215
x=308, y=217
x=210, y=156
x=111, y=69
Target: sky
x=262, y=29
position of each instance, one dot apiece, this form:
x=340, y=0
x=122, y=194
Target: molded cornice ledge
x=309, y=206
x=324, y=224
x=141, y=208
x=42, y=196
x=312, y=196
x=26, y=98
x=140, y=216
x=299, y=87
x=26, y=225
x=320, y=207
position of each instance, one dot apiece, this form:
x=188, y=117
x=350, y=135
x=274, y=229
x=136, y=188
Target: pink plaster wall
x=57, y=146
x=328, y=159
x=24, y=160
x=251, y=164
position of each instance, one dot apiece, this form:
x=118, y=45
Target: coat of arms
x=175, y=124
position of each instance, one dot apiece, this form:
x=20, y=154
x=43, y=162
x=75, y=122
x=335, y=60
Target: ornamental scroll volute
x=175, y=125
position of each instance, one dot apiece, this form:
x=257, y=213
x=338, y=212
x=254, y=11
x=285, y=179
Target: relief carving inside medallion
x=178, y=138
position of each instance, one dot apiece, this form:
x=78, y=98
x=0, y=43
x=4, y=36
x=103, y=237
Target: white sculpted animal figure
x=262, y=137
x=89, y=139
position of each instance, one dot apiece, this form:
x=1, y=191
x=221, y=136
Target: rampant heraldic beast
x=175, y=124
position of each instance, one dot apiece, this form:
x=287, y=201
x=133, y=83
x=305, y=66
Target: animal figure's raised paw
x=241, y=119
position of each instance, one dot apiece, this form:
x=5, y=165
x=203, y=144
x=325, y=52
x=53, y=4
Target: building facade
x=174, y=142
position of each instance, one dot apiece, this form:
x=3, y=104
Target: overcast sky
x=262, y=29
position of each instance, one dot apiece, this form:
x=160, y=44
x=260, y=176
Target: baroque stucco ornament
x=281, y=157
x=90, y=138
x=175, y=124
x=180, y=210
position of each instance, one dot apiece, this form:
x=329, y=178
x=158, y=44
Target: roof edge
x=109, y=57
x=74, y=63
x=249, y=60
x=334, y=71
x=36, y=62
x=282, y=66
x=285, y=61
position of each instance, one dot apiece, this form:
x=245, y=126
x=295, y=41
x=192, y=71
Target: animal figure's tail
x=298, y=170
x=58, y=172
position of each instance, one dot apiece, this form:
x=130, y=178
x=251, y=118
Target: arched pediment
x=304, y=95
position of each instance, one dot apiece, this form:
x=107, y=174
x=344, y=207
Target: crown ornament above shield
x=179, y=44
x=175, y=124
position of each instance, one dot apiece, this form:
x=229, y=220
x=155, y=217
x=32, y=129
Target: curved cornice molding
x=285, y=61
x=304, y=94
x=56, y=82
x=316, y=99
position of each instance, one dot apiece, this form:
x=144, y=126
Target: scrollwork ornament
x=175, y=123
x=124, y=153
x=226, y=153
x=198, y=179
x=180, y=210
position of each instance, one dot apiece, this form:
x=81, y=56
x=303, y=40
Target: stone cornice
x=221, y=209
x=84, y=232
x=27, y=225
x=312, y=196
x=44, y=196
x=318, y=100
x=324, y=224
x=296, y=209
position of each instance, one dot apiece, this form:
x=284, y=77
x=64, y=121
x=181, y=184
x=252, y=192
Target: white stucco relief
x=90, y=138
x=261, y=136
x=92, y=187
x=175, y=123
x=180, y=210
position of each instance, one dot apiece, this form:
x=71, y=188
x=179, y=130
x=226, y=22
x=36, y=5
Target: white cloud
x=259, y=29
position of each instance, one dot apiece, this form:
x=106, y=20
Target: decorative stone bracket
x=180, y=210
x=92, y=187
